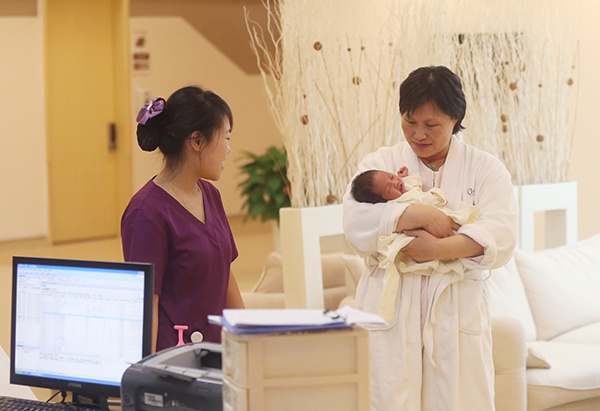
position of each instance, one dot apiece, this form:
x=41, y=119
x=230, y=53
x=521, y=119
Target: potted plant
x=265, y=187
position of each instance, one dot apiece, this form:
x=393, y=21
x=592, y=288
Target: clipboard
x=251, y=321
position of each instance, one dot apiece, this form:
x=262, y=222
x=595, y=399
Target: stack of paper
x=277, y=320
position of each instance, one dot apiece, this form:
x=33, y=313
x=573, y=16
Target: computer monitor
x=78, y=325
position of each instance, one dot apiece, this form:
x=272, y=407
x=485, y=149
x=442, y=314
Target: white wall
x=181, y=56
x=586, y=146
x=24, y=193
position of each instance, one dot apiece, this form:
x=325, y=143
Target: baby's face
x=388, y=185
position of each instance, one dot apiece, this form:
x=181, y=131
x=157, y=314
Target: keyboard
x=20, y=404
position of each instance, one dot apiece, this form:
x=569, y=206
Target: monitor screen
x=78, y=325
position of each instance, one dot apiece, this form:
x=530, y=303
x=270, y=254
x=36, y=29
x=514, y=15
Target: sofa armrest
x=332, y=297
x=509, y=352
x=263, y=300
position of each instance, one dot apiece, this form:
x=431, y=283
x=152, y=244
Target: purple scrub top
x=192, y=260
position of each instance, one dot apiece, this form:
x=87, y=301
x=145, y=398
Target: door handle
x=112, y=137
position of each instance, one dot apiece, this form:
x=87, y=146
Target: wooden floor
x=254, y=241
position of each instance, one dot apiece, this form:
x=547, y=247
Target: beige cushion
x=562, y=286
x=589, y=404
x=268, y=291
x=271, y=279
x=334, y=274
x=506, y=297
x=354, y=268
x=348, y=300
x=332, y=298
x=263, y=300
x=535, y=359
x=562, y=399
x=574, y=374
x=573, y=366
x=588, y=334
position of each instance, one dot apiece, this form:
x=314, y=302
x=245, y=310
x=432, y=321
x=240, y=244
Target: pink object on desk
x=180, y=329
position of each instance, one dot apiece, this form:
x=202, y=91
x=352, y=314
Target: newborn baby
x=376, y=186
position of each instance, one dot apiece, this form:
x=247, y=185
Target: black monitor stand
x=86, y=400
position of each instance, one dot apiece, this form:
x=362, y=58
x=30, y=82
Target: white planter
x=301, y=231
x=558, y=201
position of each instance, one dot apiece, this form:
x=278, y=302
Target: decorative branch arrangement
x=332, y=72
x=522, y=93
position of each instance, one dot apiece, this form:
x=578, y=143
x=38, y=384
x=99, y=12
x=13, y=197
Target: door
x=85, y=66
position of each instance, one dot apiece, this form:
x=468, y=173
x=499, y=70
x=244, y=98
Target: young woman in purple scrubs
x=177, y=221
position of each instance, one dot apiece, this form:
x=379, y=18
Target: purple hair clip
x=150, y=110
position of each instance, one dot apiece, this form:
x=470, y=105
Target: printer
x=187, y=377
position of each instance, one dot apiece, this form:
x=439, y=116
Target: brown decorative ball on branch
x=356, y=80
x=539, y=138
x=331, y=199
x=570, y=82
x=513, y=85
x=304, y=119
x=318, y=46
x=504, y=118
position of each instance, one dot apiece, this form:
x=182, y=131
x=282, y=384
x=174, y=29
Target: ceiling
x=220, y=21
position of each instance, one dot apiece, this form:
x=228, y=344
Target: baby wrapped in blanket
x=376, y=186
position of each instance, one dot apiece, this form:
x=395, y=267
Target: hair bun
x=147, y=137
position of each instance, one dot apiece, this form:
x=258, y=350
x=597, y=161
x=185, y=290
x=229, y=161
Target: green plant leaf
x=263, y=184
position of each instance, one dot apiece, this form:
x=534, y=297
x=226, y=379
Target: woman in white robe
x=436, y=354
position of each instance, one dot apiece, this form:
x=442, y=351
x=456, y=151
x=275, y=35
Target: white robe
x=393, y=261
x=458, y=374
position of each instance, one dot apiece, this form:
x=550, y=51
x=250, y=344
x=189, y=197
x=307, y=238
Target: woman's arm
x=428, y=218
x=426, y=247
x=234, y=297
x=434, y=235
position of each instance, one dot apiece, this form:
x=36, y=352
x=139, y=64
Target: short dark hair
x=437, y=85
x=362, y=188
x=187, y=110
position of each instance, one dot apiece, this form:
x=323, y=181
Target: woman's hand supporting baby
x=426, y=247
x=434, y=234
x=428, y=218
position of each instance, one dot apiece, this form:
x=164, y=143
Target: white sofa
x=545, y=307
